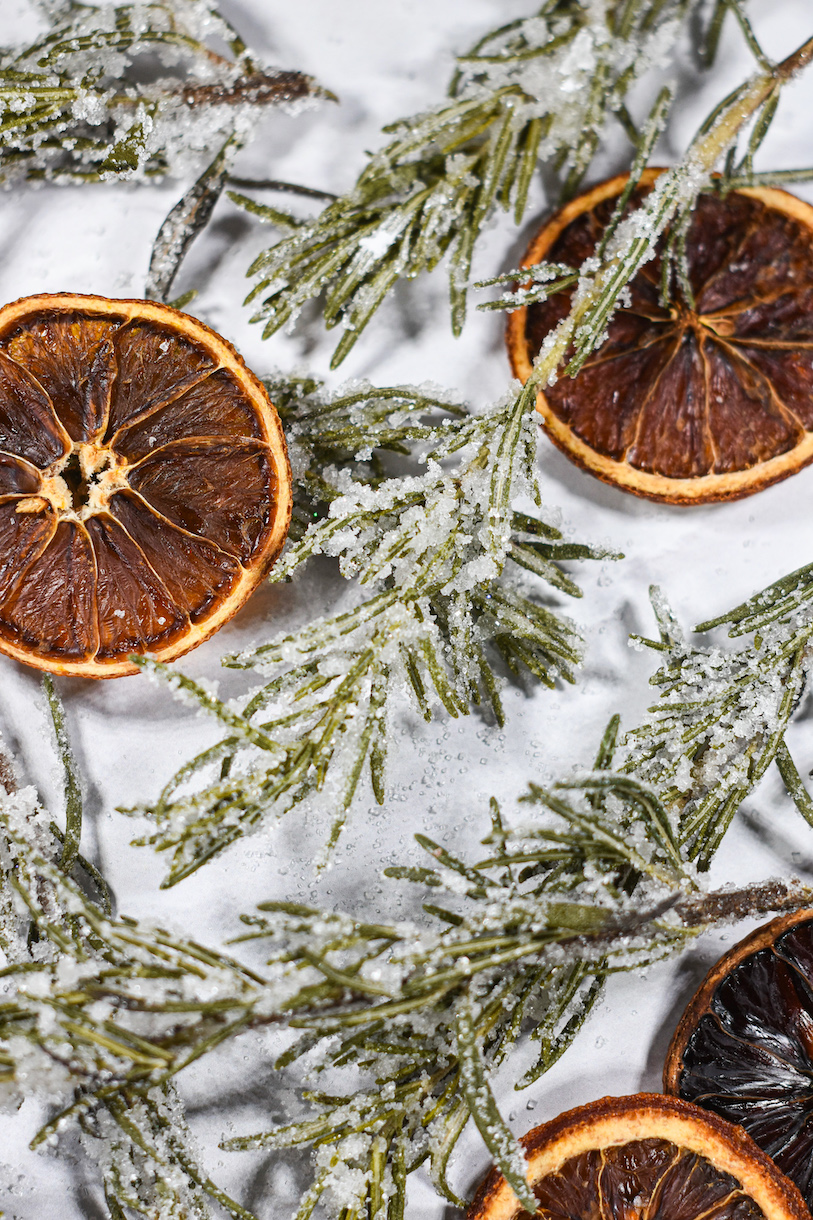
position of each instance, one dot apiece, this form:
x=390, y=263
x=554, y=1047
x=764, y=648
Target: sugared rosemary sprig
x=448, y=576
x=538, y=89
x=434, y=550
x=106, y=1012
x=722, y=714
x=73, y=106
x=101, y=1013
x=632, y=239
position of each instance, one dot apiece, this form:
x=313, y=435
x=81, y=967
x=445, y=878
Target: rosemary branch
x=445, y=602
x=598, y=879
x=81, y=994
x=106, y=1012
x=72, y=108
x=722, y=715
x=73, y=791
x=536, y=89
x=632, y=239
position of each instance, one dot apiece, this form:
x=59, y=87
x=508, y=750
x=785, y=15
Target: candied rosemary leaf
x=144, y=483
x=744, y=1045
x=642, y=1157
x=692, y=401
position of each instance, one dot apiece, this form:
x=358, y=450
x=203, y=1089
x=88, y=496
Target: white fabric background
x=385, y=61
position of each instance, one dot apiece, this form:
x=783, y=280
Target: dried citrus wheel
x=744, y=1046
x=144, y=483
x=688, y=403
x=645, y=1157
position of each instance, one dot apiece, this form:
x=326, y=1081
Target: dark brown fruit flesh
x=745, y=1048
x=144, y=485
x=699, y=400
x=643, y=1180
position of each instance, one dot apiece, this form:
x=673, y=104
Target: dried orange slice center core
x=144, y=483
x=82, y=483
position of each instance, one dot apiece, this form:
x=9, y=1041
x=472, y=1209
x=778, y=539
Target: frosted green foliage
x=100, y=1014
x=606, y=883
x=147, y=1159
x=101, y=970
x=721, y=717
x=534, y=929
x=427, y=193
x=659, y=224
x=523, y=941
x=132, y=91
x=548, y=278
x=449, y=579
x=538, y=89
x=73, y=790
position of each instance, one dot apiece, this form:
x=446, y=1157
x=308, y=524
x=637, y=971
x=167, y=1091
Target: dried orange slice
x=645, y=1157
x=144, y=483
x=688, y=404
x=744, y=1046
